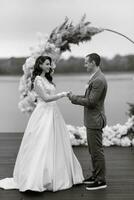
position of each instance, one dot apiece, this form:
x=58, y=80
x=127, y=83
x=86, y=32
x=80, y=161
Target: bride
x=45, y=160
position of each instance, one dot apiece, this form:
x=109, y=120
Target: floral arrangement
x=53, y=46
x=119, y=135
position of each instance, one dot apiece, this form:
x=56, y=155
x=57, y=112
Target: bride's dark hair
x=38, y=70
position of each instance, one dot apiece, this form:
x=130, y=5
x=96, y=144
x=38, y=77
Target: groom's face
x=89, y=65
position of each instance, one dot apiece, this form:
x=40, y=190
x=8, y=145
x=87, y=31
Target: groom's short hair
x=94, y=57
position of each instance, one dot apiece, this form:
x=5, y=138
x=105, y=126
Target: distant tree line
x=13, y=66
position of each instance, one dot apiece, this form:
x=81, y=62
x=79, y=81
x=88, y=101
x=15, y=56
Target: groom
x=94, y=119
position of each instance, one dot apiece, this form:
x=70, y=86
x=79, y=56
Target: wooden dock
x=120, y=174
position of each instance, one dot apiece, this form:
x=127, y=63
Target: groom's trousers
x=94, y=139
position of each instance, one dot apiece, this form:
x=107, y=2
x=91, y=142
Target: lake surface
x=120, y=91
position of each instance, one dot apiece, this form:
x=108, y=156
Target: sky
x=21, y=20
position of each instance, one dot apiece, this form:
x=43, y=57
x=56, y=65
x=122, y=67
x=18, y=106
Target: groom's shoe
x=89, y=180
x=96, y=185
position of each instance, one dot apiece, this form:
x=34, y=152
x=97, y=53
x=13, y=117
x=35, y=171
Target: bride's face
x=46, y=66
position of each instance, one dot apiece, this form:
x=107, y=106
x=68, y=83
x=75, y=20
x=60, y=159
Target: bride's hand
x=64, y=94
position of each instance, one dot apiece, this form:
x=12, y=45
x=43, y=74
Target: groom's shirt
x=92, y=75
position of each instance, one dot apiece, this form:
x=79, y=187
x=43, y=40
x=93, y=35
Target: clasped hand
x=67, y=94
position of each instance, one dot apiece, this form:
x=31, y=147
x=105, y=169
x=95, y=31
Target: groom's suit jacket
x=93, y=101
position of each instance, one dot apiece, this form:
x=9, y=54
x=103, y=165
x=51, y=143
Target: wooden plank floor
x=120, y=174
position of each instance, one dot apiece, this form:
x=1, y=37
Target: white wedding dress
x=46, y=160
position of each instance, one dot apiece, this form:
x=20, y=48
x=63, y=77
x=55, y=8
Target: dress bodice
x=42, y=84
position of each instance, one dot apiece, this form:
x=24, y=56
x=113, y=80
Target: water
x=120, y=91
